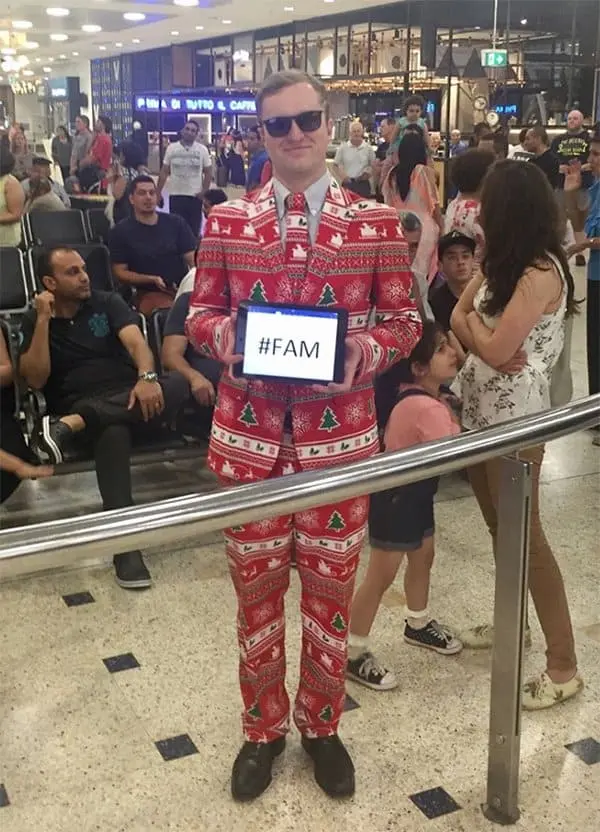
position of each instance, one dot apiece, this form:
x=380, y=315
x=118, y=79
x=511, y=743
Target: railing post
x=510, y=613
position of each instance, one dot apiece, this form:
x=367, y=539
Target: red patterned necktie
x=297, y=240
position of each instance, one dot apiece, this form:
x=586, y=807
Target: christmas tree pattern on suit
x=257, y=293
x=329, y=420
x=248, y=416
x=327, y=296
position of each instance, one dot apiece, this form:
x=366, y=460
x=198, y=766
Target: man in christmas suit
x=300, y=239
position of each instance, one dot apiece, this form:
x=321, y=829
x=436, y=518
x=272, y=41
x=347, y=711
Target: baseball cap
x=455, y=238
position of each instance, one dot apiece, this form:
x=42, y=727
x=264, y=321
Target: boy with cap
x=456, y=252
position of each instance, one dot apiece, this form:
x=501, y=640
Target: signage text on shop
x=180, y=103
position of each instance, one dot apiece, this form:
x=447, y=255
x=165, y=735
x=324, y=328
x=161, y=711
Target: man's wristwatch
x=151, y=377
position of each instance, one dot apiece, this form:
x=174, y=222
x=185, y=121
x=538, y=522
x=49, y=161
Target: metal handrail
x=184, y=518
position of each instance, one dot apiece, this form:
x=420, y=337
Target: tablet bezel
x=340, y=348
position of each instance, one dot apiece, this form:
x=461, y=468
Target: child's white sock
x=357, y=645
x=417, y=620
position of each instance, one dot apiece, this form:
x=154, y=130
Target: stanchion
x=510, y=613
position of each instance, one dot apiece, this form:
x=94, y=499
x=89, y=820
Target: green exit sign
x=494, y=57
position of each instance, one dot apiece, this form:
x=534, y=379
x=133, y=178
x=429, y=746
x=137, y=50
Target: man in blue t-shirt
x=591, y=242
x=258, y=158
x=151, y=251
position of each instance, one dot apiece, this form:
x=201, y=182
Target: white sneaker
x=541, y=692
x=482, y=637
x=367, y=671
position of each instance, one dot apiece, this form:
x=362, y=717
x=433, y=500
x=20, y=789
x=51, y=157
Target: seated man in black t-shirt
x=456, y=255
x=151, y=250
x=202, y=373
x=85, y=350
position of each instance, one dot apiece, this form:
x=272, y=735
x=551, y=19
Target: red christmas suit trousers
x=327, y=542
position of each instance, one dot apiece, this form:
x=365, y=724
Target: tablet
x=293, y=344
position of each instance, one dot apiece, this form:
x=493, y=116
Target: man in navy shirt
x=151, y=251
x=258, y=158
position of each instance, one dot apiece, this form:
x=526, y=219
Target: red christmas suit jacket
x=359, y=262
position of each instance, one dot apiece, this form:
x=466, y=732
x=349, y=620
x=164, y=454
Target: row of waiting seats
x=20, y=282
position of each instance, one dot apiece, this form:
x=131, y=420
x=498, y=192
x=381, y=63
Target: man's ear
x=49, y=283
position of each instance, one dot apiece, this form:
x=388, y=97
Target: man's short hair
x=85, y=119
x=540, y=133
x=41, y=160
x=215, y=196
x=44, y=265
x=142, y=179
x=192, y=121
x=290, y=78
x=522, y=133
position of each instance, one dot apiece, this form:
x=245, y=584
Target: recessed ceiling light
x=75, y=54
x=226, y=22
x=118, y=43
x=50, y=60
x=186, y=2
x=59, y=37
x=31, y=44
x=134, y=16
x=199, y=28
x=91, y=28
x=135, y=40
x=524, y=22
x=22, y=24
x=47, y=68
x=57, y=11
x=63, y=57
x=38, y=60
x=102, y=48
x=28, y=72
x=175, y=33
x=288, y=9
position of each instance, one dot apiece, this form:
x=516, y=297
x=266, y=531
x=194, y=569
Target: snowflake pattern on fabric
x=226, y=405
x=269, y=524
x=308, y=519
x=301, y=421
x=353, y=292
x=354, y=413
x=262, y=614
x=273, y=420
x=317, y=606
x=359, y=510
x=393, y=291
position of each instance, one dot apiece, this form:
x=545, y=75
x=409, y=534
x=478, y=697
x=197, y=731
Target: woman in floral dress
x=512, y=319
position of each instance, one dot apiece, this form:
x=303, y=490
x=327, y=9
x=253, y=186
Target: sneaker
x=50, y=438
x=131, y=571
x=579, y=260
x=482, y=637
x=541, y=692
x=433, y=636
x=367, y=671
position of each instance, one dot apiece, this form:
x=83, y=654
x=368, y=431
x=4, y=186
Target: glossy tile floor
x=119, y=712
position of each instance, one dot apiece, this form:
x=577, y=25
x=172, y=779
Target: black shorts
x=400, y=519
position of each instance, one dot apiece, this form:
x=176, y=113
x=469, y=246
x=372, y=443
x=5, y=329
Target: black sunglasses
x=280, y=126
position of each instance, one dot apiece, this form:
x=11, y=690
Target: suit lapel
x=336, y=216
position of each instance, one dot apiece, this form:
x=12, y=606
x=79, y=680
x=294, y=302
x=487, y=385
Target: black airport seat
x=14, y=286
x=97, y=261
x=98, y=225
x=51, y=228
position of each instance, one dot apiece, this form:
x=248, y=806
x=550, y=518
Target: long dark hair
x=521, y=223
x=412, y=151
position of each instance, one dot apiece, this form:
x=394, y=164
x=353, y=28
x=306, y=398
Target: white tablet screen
x=290, y=343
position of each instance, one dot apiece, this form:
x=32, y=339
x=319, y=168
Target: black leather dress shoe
x=251, y=773
x=334, y=769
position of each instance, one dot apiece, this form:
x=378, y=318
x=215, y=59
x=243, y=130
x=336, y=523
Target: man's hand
x=228, y=356
x=149, y=396
x=516, y=364
x=44, y=305
x=572, y=174
x=351, y=364
x=577, y=248
x=203, y=390
x=158, y=282
x=25, y=471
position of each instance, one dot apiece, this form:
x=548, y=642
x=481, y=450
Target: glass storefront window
x=265, y=59
x=389, y=49
x=319, y=55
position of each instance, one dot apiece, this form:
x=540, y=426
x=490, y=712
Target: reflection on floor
x=119, y=712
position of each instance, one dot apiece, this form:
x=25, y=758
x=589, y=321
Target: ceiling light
x=50, y=60
x=57, y=11
x=135, y=40
x=186, y=2
x=63, y=57
x=75, y=54
x=28, y=72
x=175, y=33
x=91, y=28
x=59, y=37
x=47, y=68
x=199, y=28
x=288, y=9
x=38, y=60
x=22, y=24
x=31, y=44
x=1, y=77
x=134, y=16
x=102, y=48
x=226, y=22
x=118, y=43
x=524, y=22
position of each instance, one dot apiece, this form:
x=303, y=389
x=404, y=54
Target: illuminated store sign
x=183, y=104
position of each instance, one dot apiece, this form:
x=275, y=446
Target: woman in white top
x=12, y=200
x=512, y=319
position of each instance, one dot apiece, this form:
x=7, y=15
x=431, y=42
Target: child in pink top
x=412, y=408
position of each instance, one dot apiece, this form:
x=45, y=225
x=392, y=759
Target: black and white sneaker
x=131, y=571
x=433, y=636
x=50, y=438
x=367, y=671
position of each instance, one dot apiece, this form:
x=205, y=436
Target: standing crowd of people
x=456, y=322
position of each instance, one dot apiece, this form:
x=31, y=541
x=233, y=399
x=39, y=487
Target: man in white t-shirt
x=354, y=162
x=188, y=167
